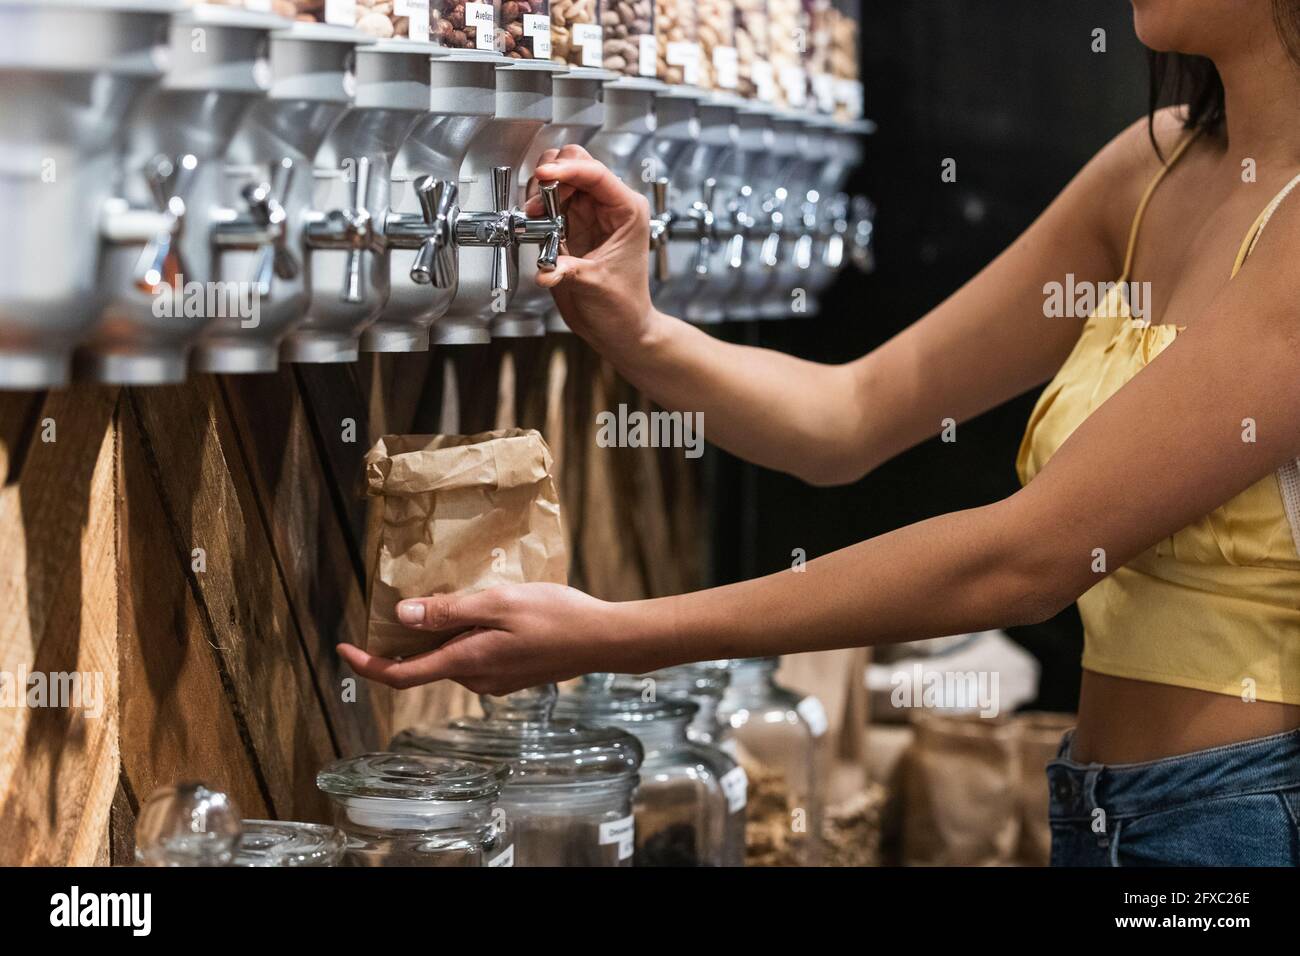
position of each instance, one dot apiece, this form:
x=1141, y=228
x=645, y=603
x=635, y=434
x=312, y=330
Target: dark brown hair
x=1178, y=78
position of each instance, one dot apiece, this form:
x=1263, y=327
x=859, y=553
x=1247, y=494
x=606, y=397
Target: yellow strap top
x=1215, y=606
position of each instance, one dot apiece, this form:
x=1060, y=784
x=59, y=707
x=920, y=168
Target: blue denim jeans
x=1237, y=805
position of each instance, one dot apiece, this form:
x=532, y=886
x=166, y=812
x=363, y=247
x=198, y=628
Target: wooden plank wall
x=203, y=548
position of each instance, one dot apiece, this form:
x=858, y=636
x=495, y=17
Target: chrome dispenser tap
x=661, y=225
x=431, y=233
x=70, y=72
x=773, y=242
x=350, y=229
x=549, y=232
x=263, y=228
x=700, y=224
x=839, y=147
x=806, y=230
x=743, y=224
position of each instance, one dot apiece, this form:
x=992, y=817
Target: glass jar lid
x=518, y=730
x=188, y=824
x=284, y=843
x=606, y=698
x=708, y=679
x=412, y=777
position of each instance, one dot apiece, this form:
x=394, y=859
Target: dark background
x=1012, y=90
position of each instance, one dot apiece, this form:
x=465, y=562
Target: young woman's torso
x=1188, y=239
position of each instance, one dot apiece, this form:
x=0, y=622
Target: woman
x=1149, y=464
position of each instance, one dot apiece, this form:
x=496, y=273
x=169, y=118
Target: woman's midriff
x=1131, y=721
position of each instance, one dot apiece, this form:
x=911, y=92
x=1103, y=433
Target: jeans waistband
x=1124, y=790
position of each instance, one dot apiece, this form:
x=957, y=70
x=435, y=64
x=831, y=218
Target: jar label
x=418, y=24
x=341, y=13
x=795, y=83
x=538, y=27
x=647, y=55
x=591, y=39
x=764, y=80
x=622, y=832
x=735, y=784
x=482, y=18
x=260, y=6
x=814, y=715
x=726, y=64
x=824, y=90
x=685, y=54
x=505, y=858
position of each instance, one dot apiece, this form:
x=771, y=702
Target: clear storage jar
x=284, y=843
x=817, y=54
x=777, y=731
x=526, y=29
x=677, y=35
x=382, y=19
x=569, y=796
x=690, y=806
x=417, y=810
x=577, y=37
x=461, y=25
x=630, y=44
x=703, y=685
x=788, y=35
x=845, y=59
x=753, y=42
x=719, y=65
x=188, y=824
x=339, y=13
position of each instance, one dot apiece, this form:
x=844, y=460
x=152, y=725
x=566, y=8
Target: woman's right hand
x=602, y=284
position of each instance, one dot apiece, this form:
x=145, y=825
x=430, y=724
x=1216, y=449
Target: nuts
x=716, y=34
x=465, y=26
x=676, y=34
x=788, y=38
x=533, y=36
x=752, y=43
x=625, y=23
x=575, y=29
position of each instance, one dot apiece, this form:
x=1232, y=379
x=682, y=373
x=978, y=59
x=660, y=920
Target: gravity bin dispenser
x=577, y=113
x=761, y=167
x=259, y=228
x=69, y=73
x=158, y=275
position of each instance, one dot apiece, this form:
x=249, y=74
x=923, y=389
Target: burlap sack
x=460, y=513
x=1040, y=739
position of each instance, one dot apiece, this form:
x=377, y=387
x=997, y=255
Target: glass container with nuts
x=630, y=46
x=678, y=44
x=719, y=66
x=753, y=62
x=788, y=38
x=461, y=25
x=341, y=13
x=386, y=19
x=526, y=29
x=577, y=38
x=845, y=68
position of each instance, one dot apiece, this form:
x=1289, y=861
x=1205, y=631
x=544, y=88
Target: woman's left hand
x=510, y=638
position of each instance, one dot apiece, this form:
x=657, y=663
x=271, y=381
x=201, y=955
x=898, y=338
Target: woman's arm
x=831, y=424
x=1165, y=450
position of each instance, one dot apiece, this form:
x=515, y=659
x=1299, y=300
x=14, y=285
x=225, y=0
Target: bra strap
x=1256, y=230
x=1146, y=199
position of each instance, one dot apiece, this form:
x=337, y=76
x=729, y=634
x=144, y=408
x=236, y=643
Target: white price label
x=686, y=55
x=795, y=83
x=504, y=858
x=647, y=55
x=259, y=6
x=401, y=8
x=483, y=19
x=814, y=715
x=341, y=13
x=764, y=80
x=726, y=65
x=538, y=27
x=735, y=786
x=824, y=90
x=621, y=832
x=418, y=23
x=590, y=38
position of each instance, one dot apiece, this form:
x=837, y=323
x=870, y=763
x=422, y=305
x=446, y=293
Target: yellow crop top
x=1216, y=606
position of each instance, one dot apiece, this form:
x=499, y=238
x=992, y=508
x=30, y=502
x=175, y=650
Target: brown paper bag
x=460, y=513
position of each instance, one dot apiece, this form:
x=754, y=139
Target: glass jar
x=677, y=42
x=281, y=843
x=788, y=36
x=703, y=685
x=417, y=810
x=188, y=824
x=845, y=66
x=577, y=38
x=719, y=65
x=817, y=54
x=775, y=735
x=630, y=45
x=690, y=806
x=753, y=61
x=384, y=19
x=526, y=29
x=458, y=25
x=339, y=13
x=569, y=797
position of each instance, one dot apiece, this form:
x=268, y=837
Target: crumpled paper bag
x=460, y=513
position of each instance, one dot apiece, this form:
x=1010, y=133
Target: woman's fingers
x=586, y=175
x=565, y=267
x=422, y=669
x=450, y=612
